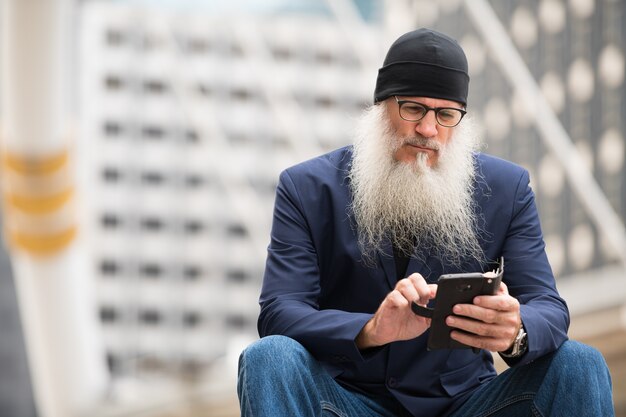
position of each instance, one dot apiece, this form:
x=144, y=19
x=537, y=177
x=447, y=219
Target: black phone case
x=455, y=289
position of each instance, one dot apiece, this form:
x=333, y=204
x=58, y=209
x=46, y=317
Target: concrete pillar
x=54, y=286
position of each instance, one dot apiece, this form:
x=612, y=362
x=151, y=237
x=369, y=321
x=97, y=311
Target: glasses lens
x=449, y=117
x=412, y=111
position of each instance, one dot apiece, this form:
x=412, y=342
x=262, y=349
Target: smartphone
x=455, y=289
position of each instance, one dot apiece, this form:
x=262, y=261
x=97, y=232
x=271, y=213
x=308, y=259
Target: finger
x=477, y=327
x=475, y=333
x=433, y=290
x=488, y=343
x=424, y=290
x=395, y=299
x=503, y=289
x=467, y=339
x=407, y=288
x=476, y=313
x=488, y=315
x=504, y=328
x=501, y=302
x=495, y=341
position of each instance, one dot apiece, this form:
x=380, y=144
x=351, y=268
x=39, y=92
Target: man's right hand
x=394, y=320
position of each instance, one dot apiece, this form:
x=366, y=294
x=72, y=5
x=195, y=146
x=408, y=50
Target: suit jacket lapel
x=429, y=269
x=385, y=257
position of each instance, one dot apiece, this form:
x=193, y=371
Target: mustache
x=422, y=142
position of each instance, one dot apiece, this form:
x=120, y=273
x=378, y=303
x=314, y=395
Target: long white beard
x=424, y=211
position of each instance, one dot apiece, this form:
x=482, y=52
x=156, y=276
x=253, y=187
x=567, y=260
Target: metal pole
x=554, y=135
x=54, y=287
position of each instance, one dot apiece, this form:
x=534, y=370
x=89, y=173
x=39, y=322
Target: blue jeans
x=278, y=377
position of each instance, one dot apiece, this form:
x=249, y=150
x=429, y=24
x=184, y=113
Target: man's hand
x=493, y=321
x=394, y=320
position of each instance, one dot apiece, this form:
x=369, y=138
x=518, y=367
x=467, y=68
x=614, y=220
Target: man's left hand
x=491, y=323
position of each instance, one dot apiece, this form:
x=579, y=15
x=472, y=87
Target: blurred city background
x=141, y=145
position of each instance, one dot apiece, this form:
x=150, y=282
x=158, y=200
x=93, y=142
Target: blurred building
x=189, y=112
x=186, y=121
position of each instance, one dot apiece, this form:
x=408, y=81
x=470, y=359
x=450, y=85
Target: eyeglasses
x=412, y=111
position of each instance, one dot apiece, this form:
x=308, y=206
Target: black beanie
x=424, y=63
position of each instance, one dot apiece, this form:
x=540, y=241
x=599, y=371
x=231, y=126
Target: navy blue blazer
x=318, y=290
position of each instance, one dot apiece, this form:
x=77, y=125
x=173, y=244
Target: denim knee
x=579, y=353
x=580, y=362
x=577, y=383
x=267, y=351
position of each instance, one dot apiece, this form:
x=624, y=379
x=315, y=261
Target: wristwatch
x=519, y=346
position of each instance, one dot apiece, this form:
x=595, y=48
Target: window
x=191, y=136
x=242, y=94
x=111, y=174
x=108, y=314
x=151, y=224
x=112, y=128
x=236, y=275
x=325, y=102
x=236, y=321
x=115, y=37
x=114, y=363
x=191, y=318
x=150, y=316
x=110, y=221
x=153, y=132
x=194, y=226
x=282, y=54
x=109, y=267
x=204, y=89
x=324, y=57
x=191, y=272
x=155, y=86
x=151, y=270
x=152, y=178
x=237, y=230
x=194, y=180
x=198, y=46
x=113, y=82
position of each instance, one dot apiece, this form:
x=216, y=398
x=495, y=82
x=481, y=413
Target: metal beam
x=589, y=193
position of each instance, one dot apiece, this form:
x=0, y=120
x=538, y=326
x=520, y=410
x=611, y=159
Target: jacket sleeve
x=529, y=278
x=291, y=285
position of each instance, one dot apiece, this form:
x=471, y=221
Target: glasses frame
x=435, y=109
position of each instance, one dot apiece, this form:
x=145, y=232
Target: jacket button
x=392, y=382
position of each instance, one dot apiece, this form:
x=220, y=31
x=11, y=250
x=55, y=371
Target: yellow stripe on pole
x=38, y=196
x=29, y=165
x=42, y=244
x=39, y=204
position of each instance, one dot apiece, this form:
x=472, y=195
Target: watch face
x=519, y=345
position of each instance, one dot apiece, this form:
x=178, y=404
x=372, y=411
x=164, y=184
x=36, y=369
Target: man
x=360, y=233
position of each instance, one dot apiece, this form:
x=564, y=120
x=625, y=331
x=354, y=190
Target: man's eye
x=447, y=114
x=413, y=109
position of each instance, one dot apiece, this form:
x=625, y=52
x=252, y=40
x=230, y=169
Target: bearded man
x=362, y=232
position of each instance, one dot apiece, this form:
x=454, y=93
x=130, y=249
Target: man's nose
x=427, y=127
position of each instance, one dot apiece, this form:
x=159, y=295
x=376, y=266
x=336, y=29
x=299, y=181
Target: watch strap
x=519, y=346
x=422, y=311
